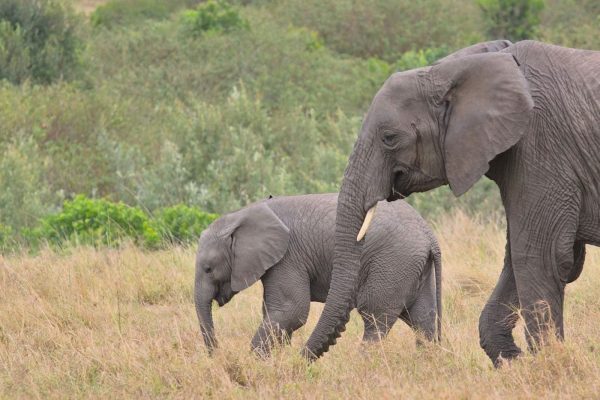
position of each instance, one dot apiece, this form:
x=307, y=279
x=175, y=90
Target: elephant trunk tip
x=316, y=347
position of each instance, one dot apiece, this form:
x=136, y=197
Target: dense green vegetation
x=99, y=222
x=213, y=105
x=511, y=19
x=38, y=41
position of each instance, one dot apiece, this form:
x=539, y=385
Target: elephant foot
x=506, y=358
x=261, y=353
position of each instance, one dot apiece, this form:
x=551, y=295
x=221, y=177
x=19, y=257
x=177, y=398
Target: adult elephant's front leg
x=499, y=316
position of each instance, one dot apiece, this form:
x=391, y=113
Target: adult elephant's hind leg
x=499, y=316
x=544, y=254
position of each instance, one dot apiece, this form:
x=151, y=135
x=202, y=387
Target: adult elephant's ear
x=479, y=48
x=487, y=106
x=259, y=241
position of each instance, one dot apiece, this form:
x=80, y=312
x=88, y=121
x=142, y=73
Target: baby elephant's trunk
x=203, y=297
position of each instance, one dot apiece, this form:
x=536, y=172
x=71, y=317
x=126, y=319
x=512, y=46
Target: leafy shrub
x=213, y=16
x=6, y=237
x=285, y=66
x=38, y=41
x=120, y=13
x=511, y=19
x=165, y=181
x=571, y=23
x=384, y=28
x=23, y=197
x=420, y=58
x=241, y=151
x=102, y=222
x=181, y=224
x=96, y=222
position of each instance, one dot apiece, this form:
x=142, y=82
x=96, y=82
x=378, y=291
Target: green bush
x=241, y=151
x=285, y=66
x=23, y=196
x=420, y=58
x=571, y=23
x=181, y=224
x=6, y=238
x=511, y=19
x=100, y=222
x=213, y=16
x=96, y=222
x=120, y=13
x=384, y=28
x=38, y=41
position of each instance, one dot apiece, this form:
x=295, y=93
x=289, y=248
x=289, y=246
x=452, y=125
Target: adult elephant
x=528, y=117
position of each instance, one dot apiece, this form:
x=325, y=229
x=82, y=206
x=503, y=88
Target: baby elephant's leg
x=377, y=325
x=286, y=304
x=269, y=333
x=422, y=314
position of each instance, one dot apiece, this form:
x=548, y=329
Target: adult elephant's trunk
x=203, y=297
x=351, y=210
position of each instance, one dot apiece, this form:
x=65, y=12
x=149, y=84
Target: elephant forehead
x=393, y=105
x=210, y=247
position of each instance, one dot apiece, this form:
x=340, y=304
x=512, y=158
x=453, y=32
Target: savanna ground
x=121, y=323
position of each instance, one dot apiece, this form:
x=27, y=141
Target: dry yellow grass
x=121, y=323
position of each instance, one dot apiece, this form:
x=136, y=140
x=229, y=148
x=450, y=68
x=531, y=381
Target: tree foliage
x=38, y=41
x=511, y=19
x=213, y=16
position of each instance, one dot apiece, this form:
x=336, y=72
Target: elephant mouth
x=409, y=181
x=220, y=301
x=224, y=295
x=398, y=190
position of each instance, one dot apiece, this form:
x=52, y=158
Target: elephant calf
x=287, y=243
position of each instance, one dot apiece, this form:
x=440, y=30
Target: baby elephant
x=287, y=242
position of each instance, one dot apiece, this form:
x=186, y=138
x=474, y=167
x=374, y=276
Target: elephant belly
x=589, y=223
x=319, y=290
x=589, y=234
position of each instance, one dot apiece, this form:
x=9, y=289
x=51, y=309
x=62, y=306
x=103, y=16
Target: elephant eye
x=208, y=269
x=390, y=139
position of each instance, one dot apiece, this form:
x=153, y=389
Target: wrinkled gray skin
x=528, y=117
x=287, y=243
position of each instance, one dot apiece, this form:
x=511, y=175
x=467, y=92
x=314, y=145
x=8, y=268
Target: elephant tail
x=437, y=264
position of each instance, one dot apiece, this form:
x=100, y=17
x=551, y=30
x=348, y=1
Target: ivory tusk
x=366, y=223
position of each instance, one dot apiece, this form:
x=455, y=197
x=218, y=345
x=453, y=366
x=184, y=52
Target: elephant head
x=425, y=128
x=233, y=253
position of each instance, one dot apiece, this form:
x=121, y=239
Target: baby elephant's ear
x=260, y=240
